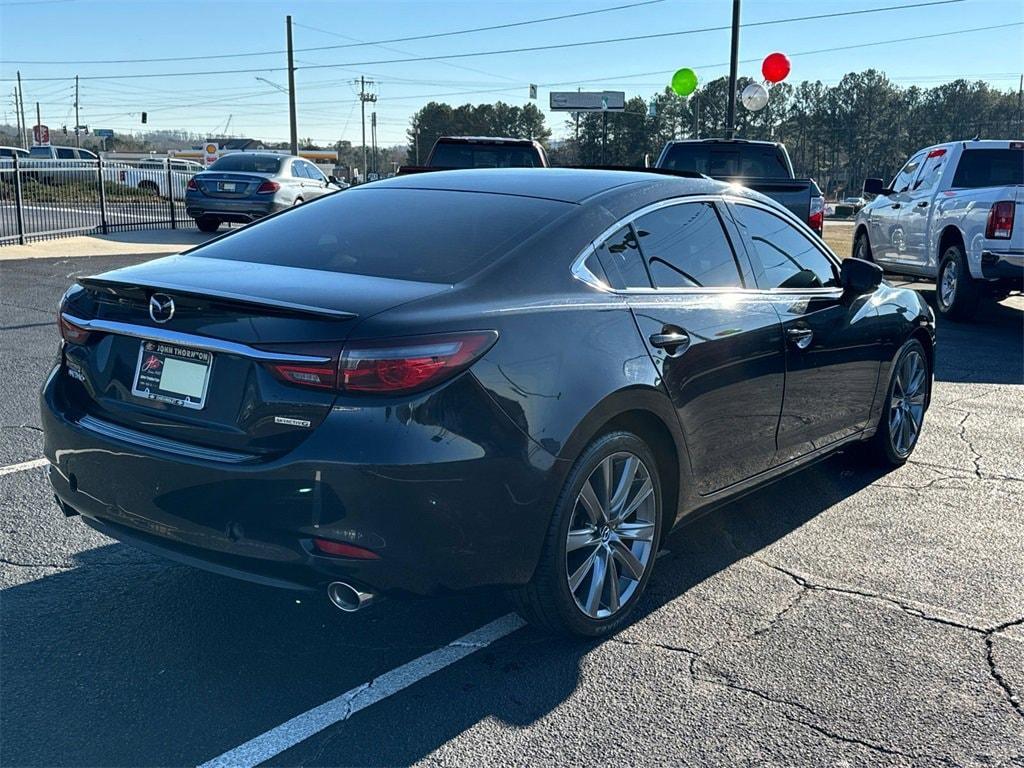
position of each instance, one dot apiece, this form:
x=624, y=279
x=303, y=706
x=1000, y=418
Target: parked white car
x=949, y=215
x=150, y=175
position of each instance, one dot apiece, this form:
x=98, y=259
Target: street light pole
x=730, y=121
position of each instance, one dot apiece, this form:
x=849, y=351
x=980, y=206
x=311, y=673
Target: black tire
x=208, y=223
x=883, y=449
x=297, y=201
x=547, y=600
x=862, y=247
x=956, y=293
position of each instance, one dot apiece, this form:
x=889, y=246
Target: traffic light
x=143, y=117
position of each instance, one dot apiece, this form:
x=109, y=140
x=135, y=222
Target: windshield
x=248, y=163
x=484, y=156
x=430, y=235
x=41, y=152
x=728, y=160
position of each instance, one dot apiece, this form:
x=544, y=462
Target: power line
x=508, y=25
x=529, y=49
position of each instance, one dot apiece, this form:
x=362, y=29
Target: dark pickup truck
x=763, y=166
x=451, y=152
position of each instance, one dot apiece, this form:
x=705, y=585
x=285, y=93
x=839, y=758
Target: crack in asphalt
x=994, y=670
x=967, y=440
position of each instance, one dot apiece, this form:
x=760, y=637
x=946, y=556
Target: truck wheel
x=208, y=223
x=956, y=292
x=862, y=248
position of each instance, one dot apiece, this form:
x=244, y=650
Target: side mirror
x=858, y=277
x=332, y=179
x=875, y=187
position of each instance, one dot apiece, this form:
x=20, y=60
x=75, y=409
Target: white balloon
x=754, y=97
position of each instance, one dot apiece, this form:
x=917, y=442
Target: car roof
x=726, y=141
x=569, y=185
x=486, y=140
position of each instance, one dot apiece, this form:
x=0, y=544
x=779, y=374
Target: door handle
x=896, y=205
x=923, y=204
x=800, y=337
x=674, y=342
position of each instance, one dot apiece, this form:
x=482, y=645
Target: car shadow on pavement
x=987, y=350
x=128, y=660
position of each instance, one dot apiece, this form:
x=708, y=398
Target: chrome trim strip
x=580, y=272
x=125, y=435
x=189, y=340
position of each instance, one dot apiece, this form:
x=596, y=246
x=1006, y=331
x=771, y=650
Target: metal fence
x=42, y=199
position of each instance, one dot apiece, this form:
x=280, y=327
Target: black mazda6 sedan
x=516, y=377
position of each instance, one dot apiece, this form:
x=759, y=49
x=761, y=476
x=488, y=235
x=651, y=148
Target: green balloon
x=684, y=82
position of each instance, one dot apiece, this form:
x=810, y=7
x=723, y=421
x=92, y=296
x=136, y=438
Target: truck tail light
x=268, y=187
x=1000, y=220
x=816, y=219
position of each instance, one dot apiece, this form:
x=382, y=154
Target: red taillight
x=71, y=333
x=268, y=187
x=192, y=184
x=1000, y=220
x=318, y=376
x=340, y=549
x=816, y=218
x=411, y=364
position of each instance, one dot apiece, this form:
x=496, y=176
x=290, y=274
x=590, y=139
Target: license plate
x=172, y=374
x=227, y=186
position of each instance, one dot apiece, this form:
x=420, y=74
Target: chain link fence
x=43, y=199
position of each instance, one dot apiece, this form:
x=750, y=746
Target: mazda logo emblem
x=161, y=307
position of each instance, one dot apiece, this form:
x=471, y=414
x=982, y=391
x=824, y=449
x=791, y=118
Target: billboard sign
x=41, y=133
x=588, y=101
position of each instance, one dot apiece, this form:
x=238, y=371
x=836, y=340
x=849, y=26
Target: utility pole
x=291, y=92
x=1020, y=107
x=363, y=98
x=417, y=145
x=696, y=116
x=78, y=141
x=373, y=138
x=39, y=118
x=17, y=116
x=21, y=111
x=730, y=120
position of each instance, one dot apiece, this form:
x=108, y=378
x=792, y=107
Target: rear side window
x=622, y=262
x=989, y=168
x=299, y=170
x=65, y=153
x=425, y=235
x=788, y=258
x=686, y=247
x=739, y=160
x=484, y=156
x=247, y=163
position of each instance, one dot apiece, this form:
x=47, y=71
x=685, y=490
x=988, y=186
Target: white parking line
x=310, y=723
x=12, y=468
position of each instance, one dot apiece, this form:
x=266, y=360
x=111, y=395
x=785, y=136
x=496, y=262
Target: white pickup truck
x=949, y=215
x=150, y=175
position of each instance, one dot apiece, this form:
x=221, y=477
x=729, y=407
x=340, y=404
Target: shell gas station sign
x=210, y=153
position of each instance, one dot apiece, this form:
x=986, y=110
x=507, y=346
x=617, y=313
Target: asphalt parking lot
x=839, y=617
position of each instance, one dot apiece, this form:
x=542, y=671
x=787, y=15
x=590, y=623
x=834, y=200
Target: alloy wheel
x=610, y=543
x=947, y=286
x=906, y=407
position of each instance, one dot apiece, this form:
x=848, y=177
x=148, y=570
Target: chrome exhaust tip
x=348, y=598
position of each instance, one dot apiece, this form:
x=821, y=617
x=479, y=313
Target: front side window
x=789, y=259
x=931, y=171
x=65, y=153
x=313, y=172
x=622, y=262
x=906, y=175
x=686, y=247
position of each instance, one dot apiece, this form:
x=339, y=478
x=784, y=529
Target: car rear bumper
x=473, y=511
x=1002, y=264
x=226, y=209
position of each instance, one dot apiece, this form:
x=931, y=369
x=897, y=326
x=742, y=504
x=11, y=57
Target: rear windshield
x=407, y=234
x=484, y=156
x=40, y=152
x=247, y=163
x=728, y=160
x=989, y=168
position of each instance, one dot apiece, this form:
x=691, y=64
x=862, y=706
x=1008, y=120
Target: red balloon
x=775, y=67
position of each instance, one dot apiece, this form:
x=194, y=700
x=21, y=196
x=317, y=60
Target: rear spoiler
x=112, y=286
x=406, y=170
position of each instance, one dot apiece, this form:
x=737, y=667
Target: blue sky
x=72, y=30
